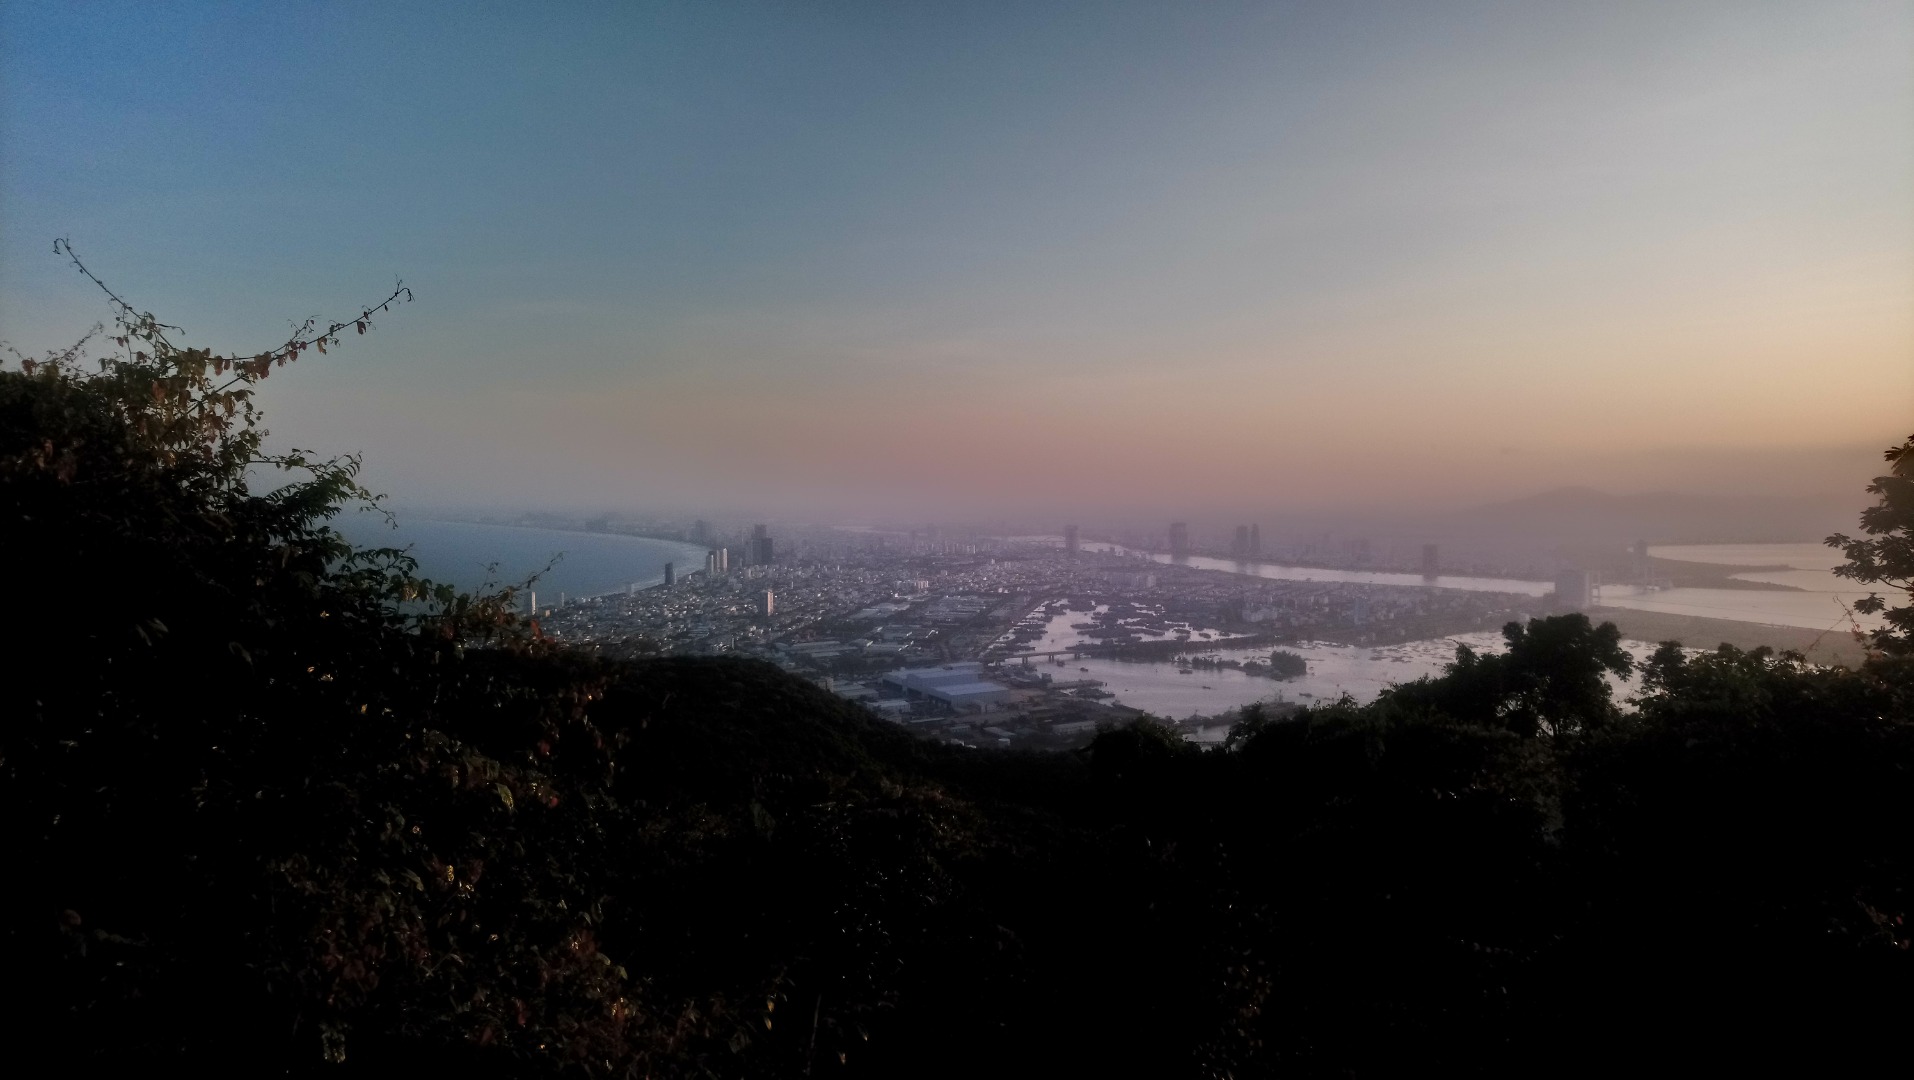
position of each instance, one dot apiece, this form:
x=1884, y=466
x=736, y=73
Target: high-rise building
x=1070, y=539
x=1240, y=546
x=770, y=603
x=701, y=531
x=1255, y=541
x=671, y=575
x=1179, y=538
x=1574, y=589
x=760, y=553
x=1431, y=560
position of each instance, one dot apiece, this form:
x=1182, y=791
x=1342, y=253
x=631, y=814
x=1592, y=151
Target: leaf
x=504, y=795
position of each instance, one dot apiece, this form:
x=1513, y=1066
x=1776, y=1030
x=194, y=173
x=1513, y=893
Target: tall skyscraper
x=1240, y=546
x=1070, y=539
x=671, y=575
x=701, y=531
x=770, y=603
x=760, y=553
x=1179, y=538
x=1431, y=560
x=1255, y=540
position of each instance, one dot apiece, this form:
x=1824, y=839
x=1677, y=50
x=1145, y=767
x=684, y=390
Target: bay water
x=470, y=556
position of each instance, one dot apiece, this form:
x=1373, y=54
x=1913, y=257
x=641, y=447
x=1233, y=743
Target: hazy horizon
x=1003, y=260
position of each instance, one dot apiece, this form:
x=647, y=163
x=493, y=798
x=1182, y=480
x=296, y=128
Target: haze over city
x=1003, y=259
x=987, y=538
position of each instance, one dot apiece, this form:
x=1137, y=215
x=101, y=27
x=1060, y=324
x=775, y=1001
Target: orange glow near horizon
x=1129, y=259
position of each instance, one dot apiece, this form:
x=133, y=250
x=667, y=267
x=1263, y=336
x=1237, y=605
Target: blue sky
x=874, y=253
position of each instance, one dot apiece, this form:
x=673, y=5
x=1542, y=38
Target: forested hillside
x=273, y=804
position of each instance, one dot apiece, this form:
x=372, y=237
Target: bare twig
x=253, y=367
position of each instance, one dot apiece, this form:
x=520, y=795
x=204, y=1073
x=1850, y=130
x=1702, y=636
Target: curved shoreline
x=692, y=554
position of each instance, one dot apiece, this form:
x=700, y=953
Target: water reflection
x=1813, y=598
x=1281, y=572
x=1177, y=692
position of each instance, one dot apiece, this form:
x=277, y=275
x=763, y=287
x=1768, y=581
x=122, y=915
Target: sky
x=1004, y=258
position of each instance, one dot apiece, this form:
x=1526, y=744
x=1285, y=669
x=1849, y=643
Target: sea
x=470, y=556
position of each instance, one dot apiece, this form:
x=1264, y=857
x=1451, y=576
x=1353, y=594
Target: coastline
x=689, y=556
x=1832, y=647
x=694, y=553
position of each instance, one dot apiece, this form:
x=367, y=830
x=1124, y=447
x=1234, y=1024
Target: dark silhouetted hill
x=273, y=806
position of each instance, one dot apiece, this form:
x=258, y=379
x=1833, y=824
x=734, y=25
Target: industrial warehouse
x=959, y=686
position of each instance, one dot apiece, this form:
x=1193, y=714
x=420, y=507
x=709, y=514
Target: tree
x=1552, y=679
x=262, y=803
x=1886, y=555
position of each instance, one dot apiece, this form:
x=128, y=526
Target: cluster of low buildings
x=917, y=635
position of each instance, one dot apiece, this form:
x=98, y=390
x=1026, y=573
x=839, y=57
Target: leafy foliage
x=275, y=804
x=1887, y=558
x=228, y=765
x=1550, y=680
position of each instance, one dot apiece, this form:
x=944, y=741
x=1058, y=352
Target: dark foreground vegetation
x=272, y=805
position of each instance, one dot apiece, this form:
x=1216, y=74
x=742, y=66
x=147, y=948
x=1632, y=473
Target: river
x=1818, y=599
x=1161, y=688
x=1283, y=572
x=1814, y=597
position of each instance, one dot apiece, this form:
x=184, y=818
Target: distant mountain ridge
x=1668, y=517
